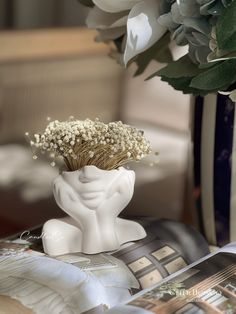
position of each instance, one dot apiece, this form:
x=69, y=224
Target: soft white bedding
x=49, y=286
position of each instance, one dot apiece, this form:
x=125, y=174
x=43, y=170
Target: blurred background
x=50, y=66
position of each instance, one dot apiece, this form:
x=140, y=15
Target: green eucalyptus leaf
x=220, y=76
x=220, y=55
x=190, y=78
x=183, y=67
x=208, y=65
x=87, y=3
x=183, y=84
x=230, y=45
x=226, y=29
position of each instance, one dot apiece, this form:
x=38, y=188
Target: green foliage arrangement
x=143, y=29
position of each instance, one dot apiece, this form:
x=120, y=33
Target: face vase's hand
x=119, y=194
x=68, y=200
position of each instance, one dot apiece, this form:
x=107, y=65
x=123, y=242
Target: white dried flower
x=88, y=142
x=128, y=154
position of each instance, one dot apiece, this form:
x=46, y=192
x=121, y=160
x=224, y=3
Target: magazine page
x=168, y=247
x=208, y=286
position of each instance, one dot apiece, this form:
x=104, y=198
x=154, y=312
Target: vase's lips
x=90, y=195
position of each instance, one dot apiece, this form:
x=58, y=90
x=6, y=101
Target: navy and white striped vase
x=214, y=137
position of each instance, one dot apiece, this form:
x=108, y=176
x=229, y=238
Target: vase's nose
x=90, y=173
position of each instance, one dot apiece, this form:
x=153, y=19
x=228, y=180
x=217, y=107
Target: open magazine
x=207, y=286
x=112, y=278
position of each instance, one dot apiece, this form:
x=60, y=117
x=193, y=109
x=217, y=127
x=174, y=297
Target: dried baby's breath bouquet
x=87, y=142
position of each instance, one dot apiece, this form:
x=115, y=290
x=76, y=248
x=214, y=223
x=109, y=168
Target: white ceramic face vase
x=93, y=198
